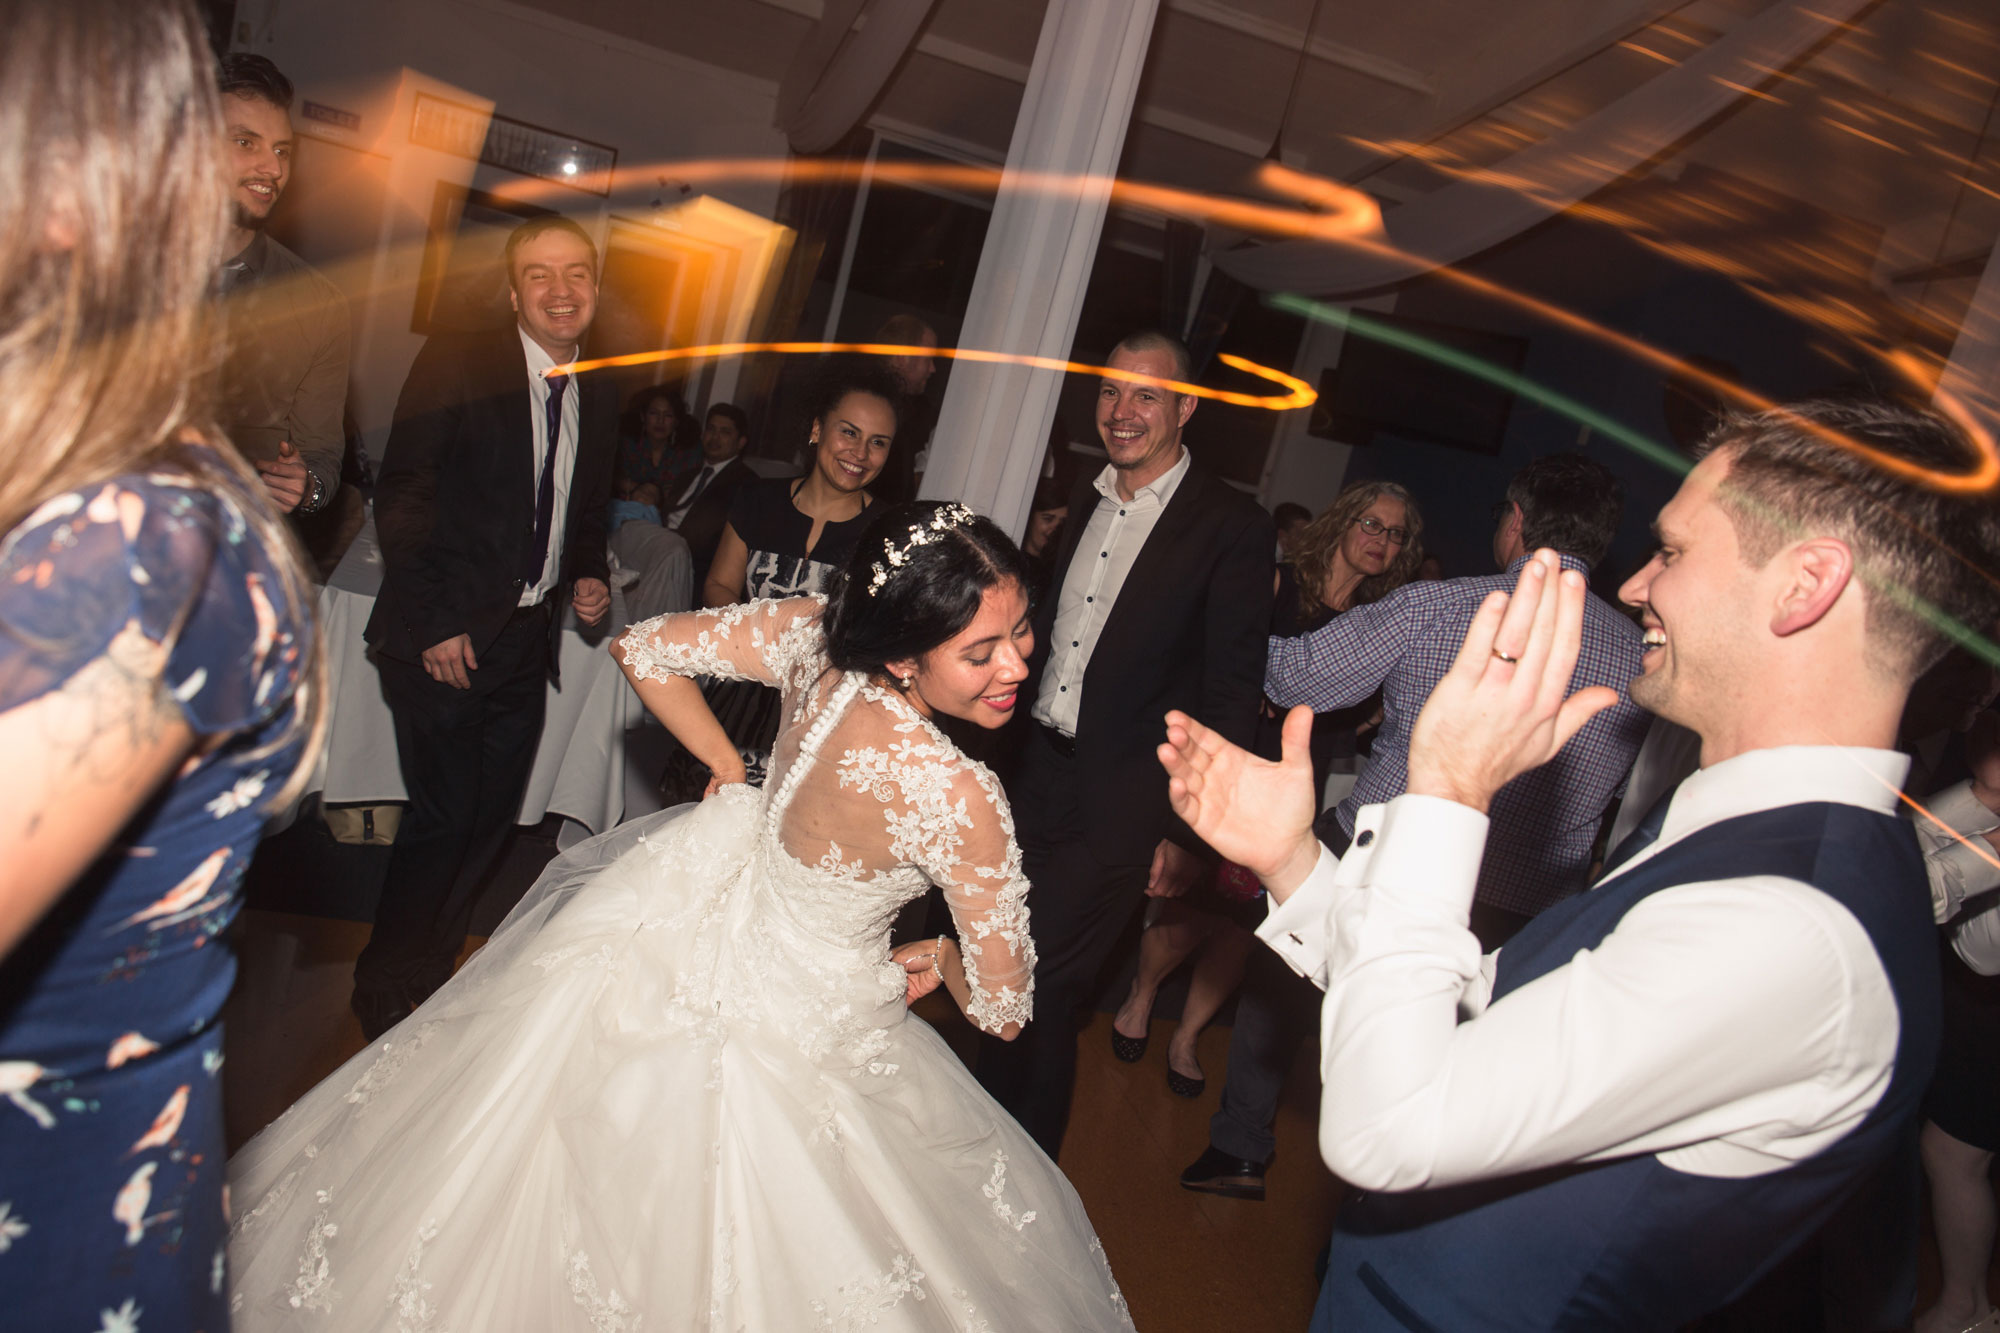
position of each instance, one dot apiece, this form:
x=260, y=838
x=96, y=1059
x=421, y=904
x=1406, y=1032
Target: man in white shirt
x=1663, y=1085
x=1161, y=599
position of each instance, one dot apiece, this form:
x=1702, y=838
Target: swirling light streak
x=1298, y=393
x=1354, y=321
x=1335, y=211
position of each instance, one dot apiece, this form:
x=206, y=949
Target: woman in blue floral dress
x=155, y=651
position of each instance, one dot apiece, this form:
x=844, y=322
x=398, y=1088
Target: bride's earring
x=904, y=683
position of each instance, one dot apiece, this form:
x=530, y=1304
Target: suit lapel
x=1141, y=582
x=1082, y=504
x=514, y=430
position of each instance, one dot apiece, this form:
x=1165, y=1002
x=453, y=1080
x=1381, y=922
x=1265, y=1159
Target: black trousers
x=1276, y=1011
x=465, y=756
x=1078, y=906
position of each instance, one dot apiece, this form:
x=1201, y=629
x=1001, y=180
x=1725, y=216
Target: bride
x=678, y=1088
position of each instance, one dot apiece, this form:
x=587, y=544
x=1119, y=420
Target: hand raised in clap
x=1256, y=813
x=1501, y=709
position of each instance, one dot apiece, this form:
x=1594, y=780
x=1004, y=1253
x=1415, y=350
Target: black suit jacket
x=709, y=514
x=455, y=497
x=1188, y=631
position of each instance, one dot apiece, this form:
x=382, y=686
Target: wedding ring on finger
x=1510, y=661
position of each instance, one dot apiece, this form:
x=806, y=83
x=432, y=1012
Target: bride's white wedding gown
x=679, y=1089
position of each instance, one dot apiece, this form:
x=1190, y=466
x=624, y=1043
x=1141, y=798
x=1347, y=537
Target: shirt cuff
x=1297, y=928
x=1427, y=852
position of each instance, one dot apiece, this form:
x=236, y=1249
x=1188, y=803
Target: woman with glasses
x=1364, y=547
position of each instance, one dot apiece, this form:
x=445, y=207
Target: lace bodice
x=867, y=801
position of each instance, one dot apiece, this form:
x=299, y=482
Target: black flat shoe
x=1129, y=1049
x=1182, y=1086
x=1216, y=1172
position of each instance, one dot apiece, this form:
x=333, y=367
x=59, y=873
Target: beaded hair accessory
x=943, y=521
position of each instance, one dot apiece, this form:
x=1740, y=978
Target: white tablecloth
x=580, y=770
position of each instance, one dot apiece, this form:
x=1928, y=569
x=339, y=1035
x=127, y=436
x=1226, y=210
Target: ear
x=902, y=667
x=1816, y=573
x=514, y=298
x=1188, y=401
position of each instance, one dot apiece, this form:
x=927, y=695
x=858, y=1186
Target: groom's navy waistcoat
x=1632, y=1243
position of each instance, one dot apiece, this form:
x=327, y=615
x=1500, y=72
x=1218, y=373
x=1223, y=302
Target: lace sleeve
x=980, y=873
x=771, y=642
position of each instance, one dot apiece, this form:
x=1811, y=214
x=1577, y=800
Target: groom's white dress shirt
x=1731, y=1027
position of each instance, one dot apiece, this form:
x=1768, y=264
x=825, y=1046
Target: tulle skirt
x=585, y=1131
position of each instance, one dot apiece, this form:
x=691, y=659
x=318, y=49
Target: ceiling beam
x=1349, y=58
x=1174, y=122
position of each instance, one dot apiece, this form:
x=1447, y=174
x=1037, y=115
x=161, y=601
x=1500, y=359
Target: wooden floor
x=1186, y=1261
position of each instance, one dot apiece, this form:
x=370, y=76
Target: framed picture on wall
x=462, y=283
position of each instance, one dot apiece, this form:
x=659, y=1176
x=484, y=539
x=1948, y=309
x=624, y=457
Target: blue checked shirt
x=1543, y=822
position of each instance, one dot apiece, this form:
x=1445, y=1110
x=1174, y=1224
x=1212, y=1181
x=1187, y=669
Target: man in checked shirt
x=1544, y=823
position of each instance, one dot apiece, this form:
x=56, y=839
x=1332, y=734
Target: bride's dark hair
x=926, y=594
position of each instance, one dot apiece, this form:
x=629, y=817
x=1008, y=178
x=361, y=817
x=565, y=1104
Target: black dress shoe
x=378, y=1010
x=1182, y=1086
x=1129, y=1049
x=1216, y=1172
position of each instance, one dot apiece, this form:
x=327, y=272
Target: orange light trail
x=1299, y=393
x=1336, y=211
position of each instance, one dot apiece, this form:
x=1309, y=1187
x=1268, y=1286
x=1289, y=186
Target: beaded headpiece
x=943, y=521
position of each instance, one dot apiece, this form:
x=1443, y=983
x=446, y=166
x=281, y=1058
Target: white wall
x=653, y=106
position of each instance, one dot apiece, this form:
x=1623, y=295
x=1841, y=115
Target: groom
x=1162, y=599
x=1658, y=1088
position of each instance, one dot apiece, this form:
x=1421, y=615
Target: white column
x=1039, y=249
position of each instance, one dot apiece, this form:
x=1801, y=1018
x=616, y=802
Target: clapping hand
x=1256, y=813
x=1501, y=709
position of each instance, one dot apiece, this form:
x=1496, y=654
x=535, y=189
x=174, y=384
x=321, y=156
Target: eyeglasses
x=1375, y=527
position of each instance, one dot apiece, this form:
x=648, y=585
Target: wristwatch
x=315, y=498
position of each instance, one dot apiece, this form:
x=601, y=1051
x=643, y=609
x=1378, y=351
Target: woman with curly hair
x=1362, y=548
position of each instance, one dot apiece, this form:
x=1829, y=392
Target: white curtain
x=1040, y=246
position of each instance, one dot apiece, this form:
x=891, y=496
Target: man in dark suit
x=700, y=510
x=491, y=502
x=1162, y=600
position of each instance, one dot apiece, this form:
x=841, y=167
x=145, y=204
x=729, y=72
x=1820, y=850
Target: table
x=581, y=769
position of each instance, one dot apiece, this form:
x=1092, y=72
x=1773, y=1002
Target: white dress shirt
x=1962, y=863
x=540, y=363
x=1731, y=1027
x=696, y=484
x=1110, y=545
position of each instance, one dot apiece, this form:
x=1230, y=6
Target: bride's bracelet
x=936, y=953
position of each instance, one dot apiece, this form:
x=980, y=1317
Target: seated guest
x=1363, y=548
x=1043, y=538
x=789, y=535
x=158, y=674
x=700, y=507
x=1661, y=1087
x=1544, y=826
x=911, y=374
x=660, y=452
x=640, y=504
x=1290, y=519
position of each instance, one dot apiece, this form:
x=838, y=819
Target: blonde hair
x=1319, y=542
x=114, y=208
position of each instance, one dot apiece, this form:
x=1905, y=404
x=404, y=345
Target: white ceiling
x=1885, y=124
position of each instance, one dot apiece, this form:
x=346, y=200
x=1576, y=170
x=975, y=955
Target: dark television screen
x=1381, y=388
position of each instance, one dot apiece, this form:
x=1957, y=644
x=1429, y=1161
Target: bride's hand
x=723, y=777
x=919, y=959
